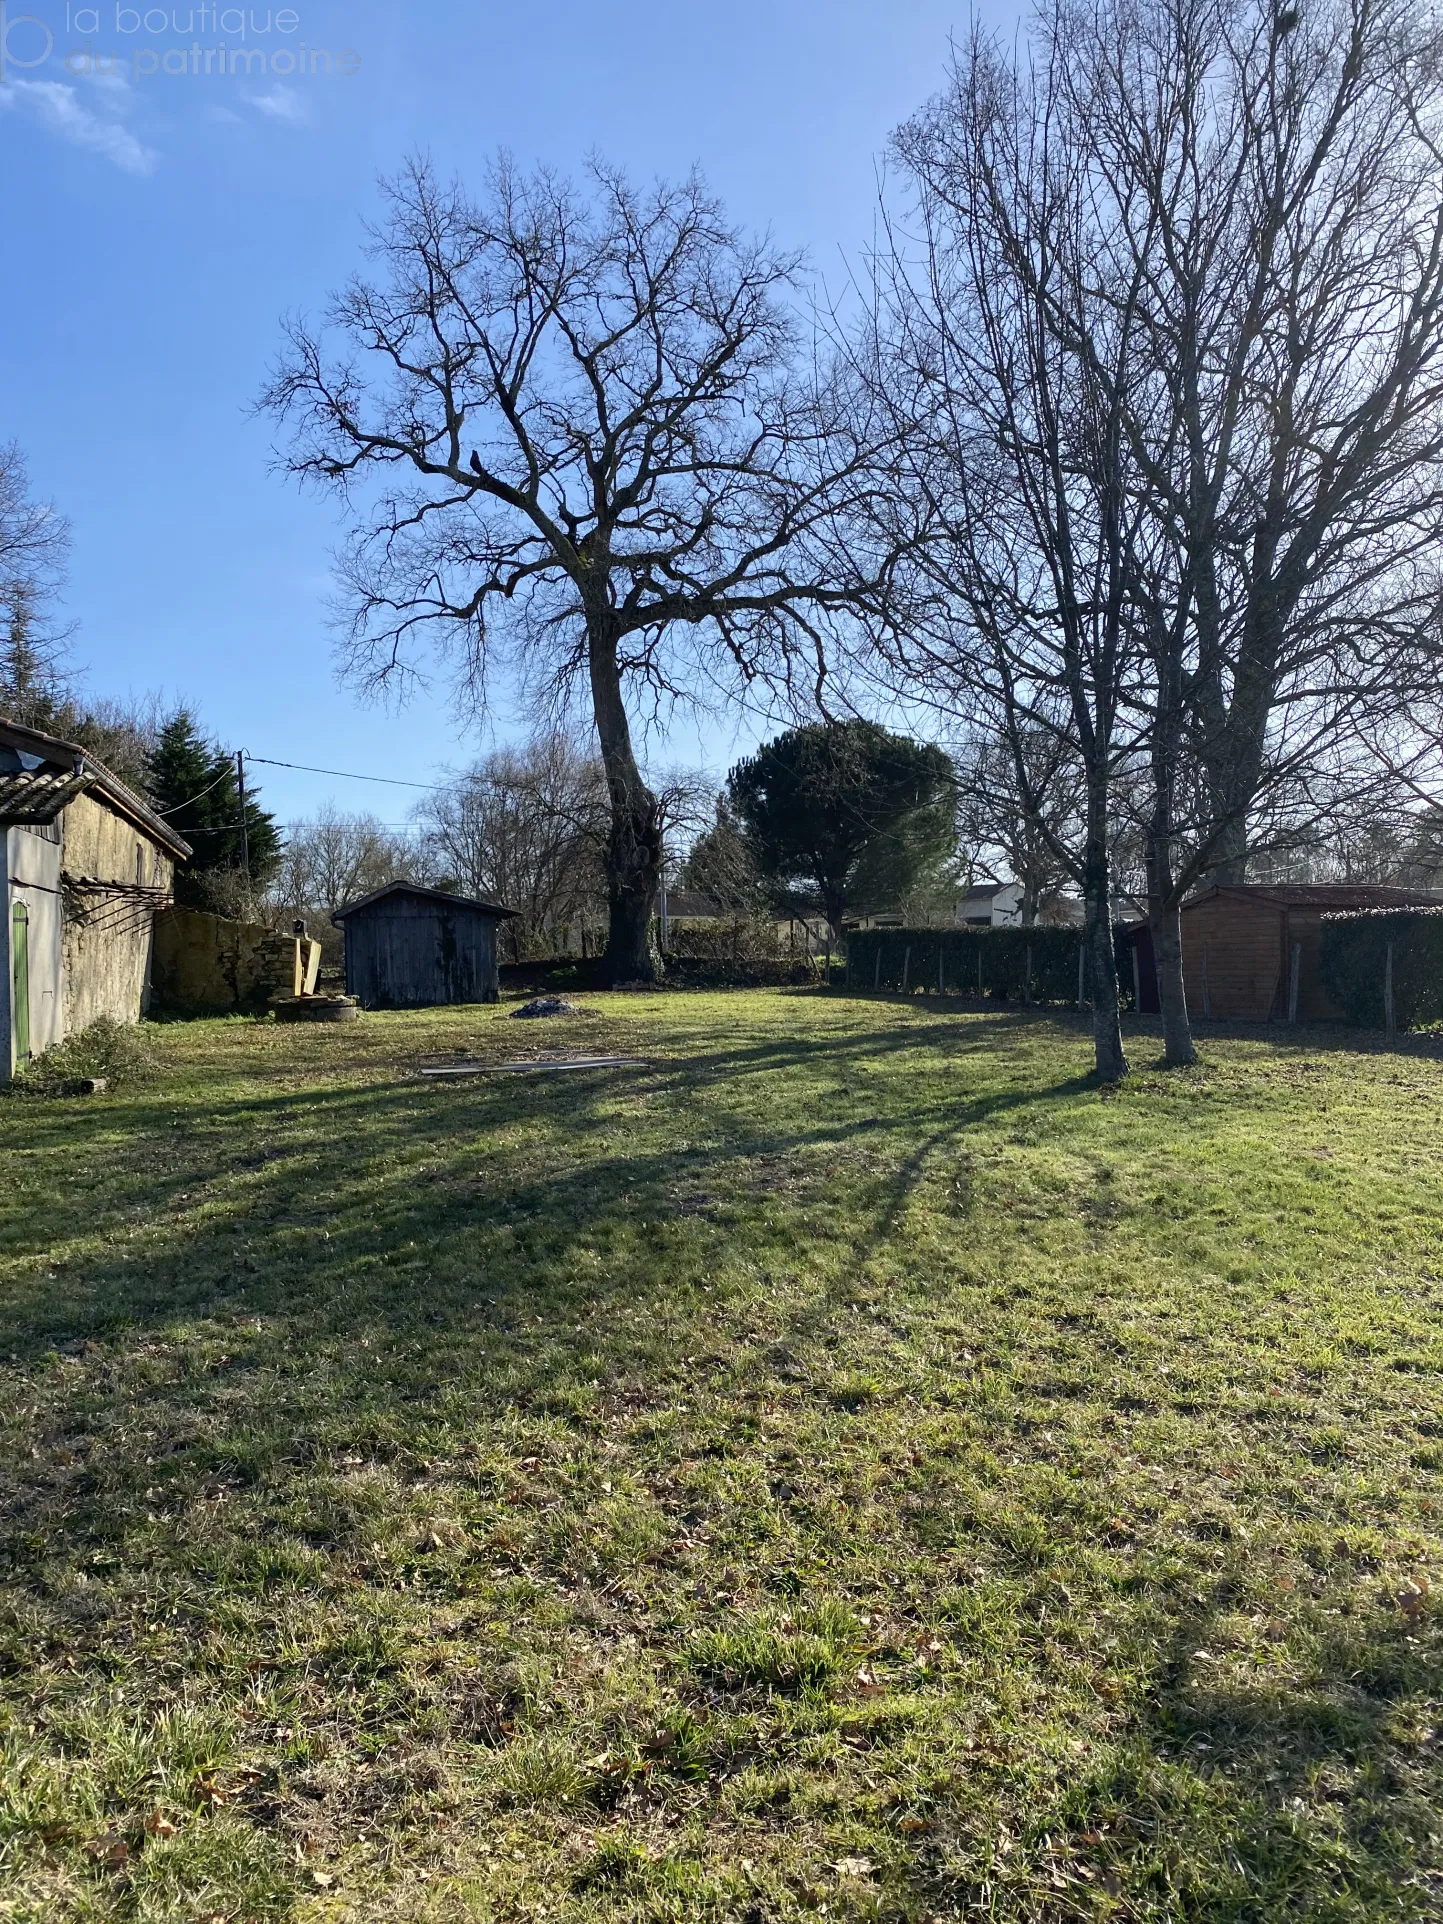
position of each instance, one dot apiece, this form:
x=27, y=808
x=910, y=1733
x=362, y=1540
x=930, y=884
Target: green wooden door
x=20, y=953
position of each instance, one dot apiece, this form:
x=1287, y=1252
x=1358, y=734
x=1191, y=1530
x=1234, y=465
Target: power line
x=177, y=806
x=345, y=774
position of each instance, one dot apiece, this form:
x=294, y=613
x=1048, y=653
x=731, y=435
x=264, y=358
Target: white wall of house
x=1003, y=909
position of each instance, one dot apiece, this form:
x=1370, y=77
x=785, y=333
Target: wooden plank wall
x=412, y=953
x=1249, y=955
x=1237, y=946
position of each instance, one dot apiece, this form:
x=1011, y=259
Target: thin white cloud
x=113, y=86
x=281, y=103
x=59, y=109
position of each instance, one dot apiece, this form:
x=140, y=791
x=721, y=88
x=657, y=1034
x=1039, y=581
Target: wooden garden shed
x=410, y=947
x=1250, y=950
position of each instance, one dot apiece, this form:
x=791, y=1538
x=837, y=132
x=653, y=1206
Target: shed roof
x=1320, y=895
x=435, y=895
x=691, y=905
x=51, y=773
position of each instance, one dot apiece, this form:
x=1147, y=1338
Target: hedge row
x=1017, y=965
x=760, y=972
x=1353, y=965
x=567, y=974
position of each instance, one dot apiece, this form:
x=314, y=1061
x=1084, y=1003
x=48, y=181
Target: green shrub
x=741, y=939
x=113, y=1050
x=1012, y=964
x=1354, y=961
x=699, y=972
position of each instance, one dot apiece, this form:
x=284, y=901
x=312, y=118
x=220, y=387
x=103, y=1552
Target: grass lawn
x=851, y=1467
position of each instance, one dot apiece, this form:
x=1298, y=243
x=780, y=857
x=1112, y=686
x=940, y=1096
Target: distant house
x=410, y=947
x=84, y=866
x=1250, y=950
x=991, y=905
x=690, y=905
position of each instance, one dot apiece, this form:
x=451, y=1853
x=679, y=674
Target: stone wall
x=208, y=963
x=114, y=878
x=101, y=846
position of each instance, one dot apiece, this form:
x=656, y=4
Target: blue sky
x=160, y=222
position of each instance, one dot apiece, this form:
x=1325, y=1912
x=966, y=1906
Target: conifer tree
x=194, y=784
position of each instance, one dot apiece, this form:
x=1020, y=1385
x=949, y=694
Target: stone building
x=85, y=864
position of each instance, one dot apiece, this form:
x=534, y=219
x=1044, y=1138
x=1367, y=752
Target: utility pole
x=240, y=775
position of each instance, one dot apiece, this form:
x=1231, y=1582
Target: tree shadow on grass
x=384, y=1270
x=310, y=1269
x=1307, y=1793
x=333, y=1164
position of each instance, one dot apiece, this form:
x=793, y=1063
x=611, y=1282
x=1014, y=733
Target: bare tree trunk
x=1165, y=924
x=1097, y=896
x=634, y=846
x=1163, y=895
x=1232, y=768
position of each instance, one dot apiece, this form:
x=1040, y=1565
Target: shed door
x=20, y=999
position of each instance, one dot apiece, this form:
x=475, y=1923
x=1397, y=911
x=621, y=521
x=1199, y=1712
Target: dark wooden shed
x=409, y=947
x=1250, y=950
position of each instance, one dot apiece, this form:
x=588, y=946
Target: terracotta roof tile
x=38, y=795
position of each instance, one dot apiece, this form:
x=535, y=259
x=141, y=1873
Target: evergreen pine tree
x=193, y=783
x=845, y=817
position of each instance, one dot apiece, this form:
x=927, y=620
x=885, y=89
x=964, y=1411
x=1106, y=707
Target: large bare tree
x=1271, y=176
x=1213, y=227
x=526, y=826
x=595, y=442
x=1016, y=491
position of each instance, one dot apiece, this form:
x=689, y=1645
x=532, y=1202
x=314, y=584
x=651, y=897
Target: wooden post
x=1081, y=974
x=906, y=966
x=1389, y=1016
x=240, y=776
x=1295, y=959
